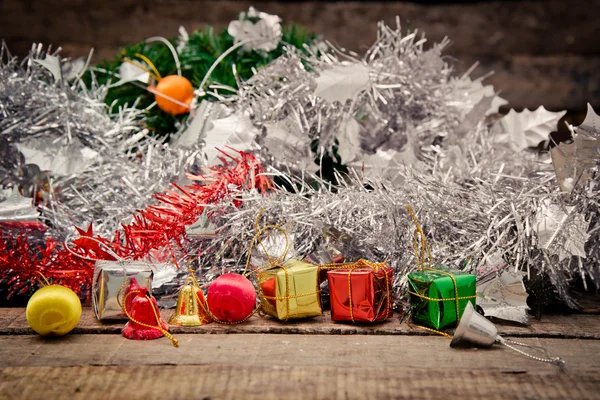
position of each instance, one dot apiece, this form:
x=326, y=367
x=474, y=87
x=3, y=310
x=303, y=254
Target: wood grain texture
x=292, y=364
x=291, y=382
x=365, y=351
x=543, y=53
x=580, y=326
x=497, y=27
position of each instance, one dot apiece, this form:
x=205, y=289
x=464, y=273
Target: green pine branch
x=199, y=54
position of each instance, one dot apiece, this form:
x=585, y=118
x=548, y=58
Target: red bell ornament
x=144, y=318
x=133, y=286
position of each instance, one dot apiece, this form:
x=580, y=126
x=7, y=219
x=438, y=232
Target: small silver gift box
x=111, y=278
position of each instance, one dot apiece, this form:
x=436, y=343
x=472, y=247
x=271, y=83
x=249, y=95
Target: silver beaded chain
x=551, y=360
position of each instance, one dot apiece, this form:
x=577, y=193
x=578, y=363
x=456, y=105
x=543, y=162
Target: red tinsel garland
x=23, y=264
x=155, y=227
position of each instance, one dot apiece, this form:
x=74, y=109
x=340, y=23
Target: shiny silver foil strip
x=110, y=281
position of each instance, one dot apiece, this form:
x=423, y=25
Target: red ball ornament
x=231, y=298
x=174, y=87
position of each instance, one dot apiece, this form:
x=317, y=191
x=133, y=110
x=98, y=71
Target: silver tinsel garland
x=472, y=224
x=416, y=136
x=410, y=133
x=393, y=106
x=98, y=165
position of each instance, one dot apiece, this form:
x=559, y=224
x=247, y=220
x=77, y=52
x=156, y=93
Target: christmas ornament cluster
x=166, y=155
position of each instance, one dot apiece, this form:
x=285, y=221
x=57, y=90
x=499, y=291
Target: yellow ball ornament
x=53, y=310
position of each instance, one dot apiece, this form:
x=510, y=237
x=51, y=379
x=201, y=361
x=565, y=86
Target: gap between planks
x=577, y=326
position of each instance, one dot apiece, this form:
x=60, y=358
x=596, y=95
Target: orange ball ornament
x=174, y=87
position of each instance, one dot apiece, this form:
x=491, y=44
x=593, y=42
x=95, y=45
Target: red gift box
x=362, y=293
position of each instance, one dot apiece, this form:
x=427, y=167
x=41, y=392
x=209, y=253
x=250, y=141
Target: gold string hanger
x=424, y=248
x=272, y=262
x=45, y=282
x=257, y=239
x=156, y=316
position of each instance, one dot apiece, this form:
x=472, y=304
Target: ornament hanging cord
x=155, y=72
x=256, y=238
x=108, y=250
x=45, y=282
x=273, y=263
x=559, y=362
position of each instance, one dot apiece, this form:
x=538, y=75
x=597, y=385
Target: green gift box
x=433, y=297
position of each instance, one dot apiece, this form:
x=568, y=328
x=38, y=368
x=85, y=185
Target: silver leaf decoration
x=561, y=231
x=574, y=161
x=342, y=82
x=528, y=128
x=503, y=295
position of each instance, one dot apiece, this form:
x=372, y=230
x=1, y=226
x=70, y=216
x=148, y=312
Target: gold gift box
x=291, y=290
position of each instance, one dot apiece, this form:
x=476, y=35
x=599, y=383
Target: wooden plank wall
x=542, y=52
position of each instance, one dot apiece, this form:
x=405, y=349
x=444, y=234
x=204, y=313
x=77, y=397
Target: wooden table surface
x=267, y=359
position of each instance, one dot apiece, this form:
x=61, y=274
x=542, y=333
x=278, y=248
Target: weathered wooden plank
x=9, y=315
x=365, y=351
x=558, y=326
x=497, y=27
x=557, y=82
x=543, y=54
x=290, y=382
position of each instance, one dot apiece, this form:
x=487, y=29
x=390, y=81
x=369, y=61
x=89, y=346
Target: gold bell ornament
x=191, y=306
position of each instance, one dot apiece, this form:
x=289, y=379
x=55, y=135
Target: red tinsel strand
x=160, y=225
x=153, y=229
x=21, y=263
